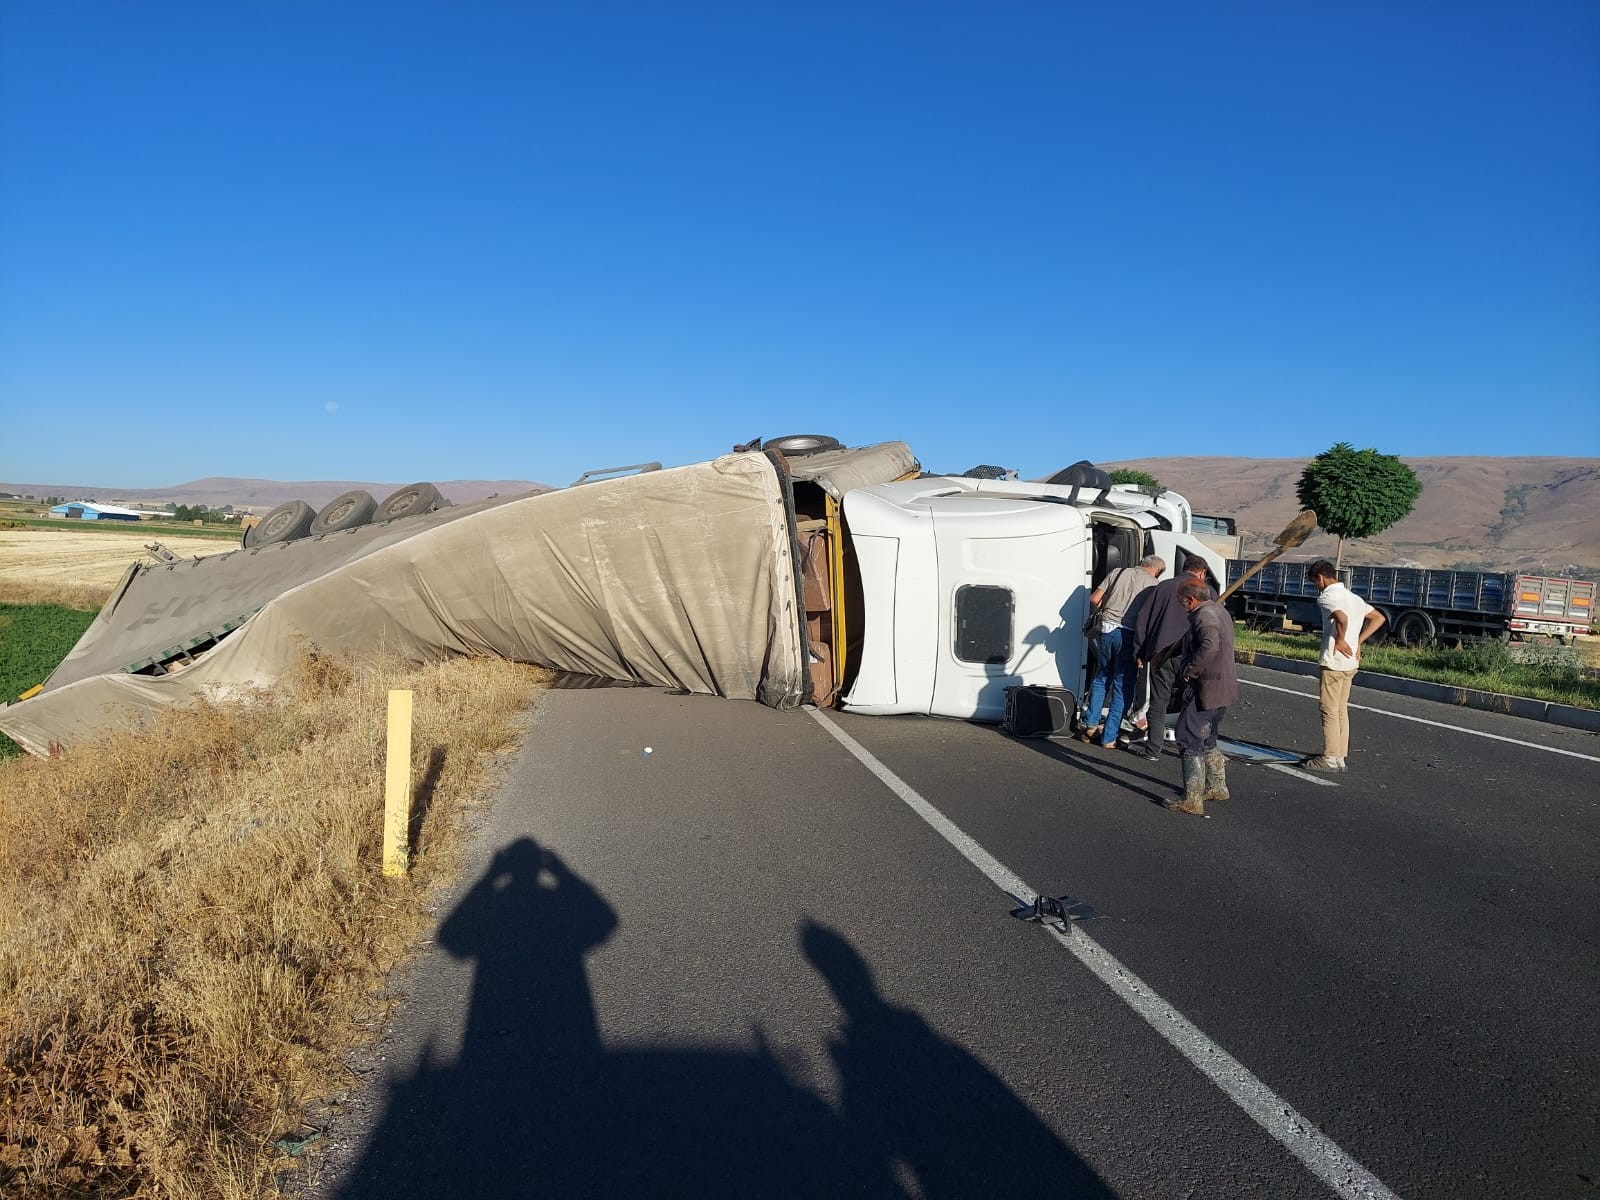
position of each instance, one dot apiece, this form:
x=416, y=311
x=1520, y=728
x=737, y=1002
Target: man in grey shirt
x=1115, y=669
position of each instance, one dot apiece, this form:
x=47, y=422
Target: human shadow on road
x=535, y=1105
x=1102, y=764
x=926, y=1103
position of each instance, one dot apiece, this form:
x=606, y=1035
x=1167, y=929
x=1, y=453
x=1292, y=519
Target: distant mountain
x=1487, y=513
x=1484, y=513
x=259, y=495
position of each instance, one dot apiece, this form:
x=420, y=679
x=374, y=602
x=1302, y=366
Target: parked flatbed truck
x=1424, y=606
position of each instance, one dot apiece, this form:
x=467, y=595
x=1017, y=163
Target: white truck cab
x=970, y=586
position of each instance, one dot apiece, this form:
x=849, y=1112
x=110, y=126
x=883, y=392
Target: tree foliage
x=198, y=512
x=1357, y=493
x=1142, y=478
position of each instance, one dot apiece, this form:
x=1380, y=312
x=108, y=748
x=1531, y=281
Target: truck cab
x=971, y=586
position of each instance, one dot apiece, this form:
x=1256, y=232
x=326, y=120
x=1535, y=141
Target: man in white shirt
x=1347, y=622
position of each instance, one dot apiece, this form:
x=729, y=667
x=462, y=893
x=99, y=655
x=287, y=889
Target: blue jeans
x=1115, y=673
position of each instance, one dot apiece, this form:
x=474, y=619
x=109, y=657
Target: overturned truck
x=802, y=572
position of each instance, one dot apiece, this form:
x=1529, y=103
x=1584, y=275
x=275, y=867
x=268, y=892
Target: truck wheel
x=1381, y=634
x=411, y=501
x=283, y=524
x=802, y=443
x=1414, y=628
x=345, y=512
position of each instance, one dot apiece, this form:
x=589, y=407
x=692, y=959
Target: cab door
x=1011, y=612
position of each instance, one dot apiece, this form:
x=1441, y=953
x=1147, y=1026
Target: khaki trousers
x=1334, y=705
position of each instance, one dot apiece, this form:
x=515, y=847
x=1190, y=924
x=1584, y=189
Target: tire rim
x=277, y=524
x=402, y=505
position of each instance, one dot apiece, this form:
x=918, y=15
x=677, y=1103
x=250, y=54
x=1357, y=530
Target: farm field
x=73, y=558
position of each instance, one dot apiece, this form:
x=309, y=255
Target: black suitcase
x=1035, y=710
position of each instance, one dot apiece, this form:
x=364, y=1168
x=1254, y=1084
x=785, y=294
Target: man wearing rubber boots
x=1211, y=685
x=1158, y=629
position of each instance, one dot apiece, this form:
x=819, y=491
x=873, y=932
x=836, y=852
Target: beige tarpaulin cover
x=841, y=471
x=681, y=578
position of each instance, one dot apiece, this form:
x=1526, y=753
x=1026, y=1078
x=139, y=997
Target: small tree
x=1357, y=493
x=1143, y=479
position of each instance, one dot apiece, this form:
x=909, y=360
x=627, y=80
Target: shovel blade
x=1297, y=530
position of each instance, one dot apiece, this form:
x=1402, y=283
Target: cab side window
x=983, y=623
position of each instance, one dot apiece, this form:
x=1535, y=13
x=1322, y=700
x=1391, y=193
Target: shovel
x=1295, y=532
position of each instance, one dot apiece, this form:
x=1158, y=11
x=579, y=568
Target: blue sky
x=428, y=241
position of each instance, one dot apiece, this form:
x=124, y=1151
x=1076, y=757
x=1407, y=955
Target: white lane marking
x=1436, y=724
x=1299, y=774
x=1300, y=1137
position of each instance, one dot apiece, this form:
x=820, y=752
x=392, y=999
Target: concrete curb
x=1587, y=719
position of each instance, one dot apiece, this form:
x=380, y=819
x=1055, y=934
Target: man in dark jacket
x=1160, y=625
x=1211, y=682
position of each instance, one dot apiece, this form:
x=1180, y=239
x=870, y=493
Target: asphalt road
x=742, y=965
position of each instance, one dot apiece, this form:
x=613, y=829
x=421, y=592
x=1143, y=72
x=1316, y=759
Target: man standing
x=1116, y=670
x=1159, y=626
x=1347, y=622
x=1211, y=684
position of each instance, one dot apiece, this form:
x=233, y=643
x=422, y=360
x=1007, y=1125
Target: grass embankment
x=194, y=922
x=34, y=637
x=1486, y=666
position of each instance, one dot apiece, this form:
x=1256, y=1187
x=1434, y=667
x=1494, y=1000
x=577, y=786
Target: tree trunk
x=1338, y=556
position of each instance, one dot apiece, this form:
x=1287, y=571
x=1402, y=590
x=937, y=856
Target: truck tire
x=794, y=444
x=1383, y=632
x=410, y=501
x=1414, y=628
x=345, y=512
x=283, y=524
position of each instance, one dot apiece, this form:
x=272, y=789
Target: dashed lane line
x=1387, y=712
x=1320, y=1154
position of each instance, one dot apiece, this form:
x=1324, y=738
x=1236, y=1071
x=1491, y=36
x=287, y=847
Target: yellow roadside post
x=397, y=787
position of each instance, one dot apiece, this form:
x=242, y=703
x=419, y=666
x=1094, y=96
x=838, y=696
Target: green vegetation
x=1513, y=512
x=1487, y=666
x=1141, y=478
x=33, y=639
x=190, y=513
x=1357, y=493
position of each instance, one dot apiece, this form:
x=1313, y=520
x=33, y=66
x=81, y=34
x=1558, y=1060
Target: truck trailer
x=1422, y=606
x=797, y=572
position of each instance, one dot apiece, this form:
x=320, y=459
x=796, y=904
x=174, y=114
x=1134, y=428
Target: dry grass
x=1589, y=649
x=194, y=925
x=75, y=558
x=85, y=597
